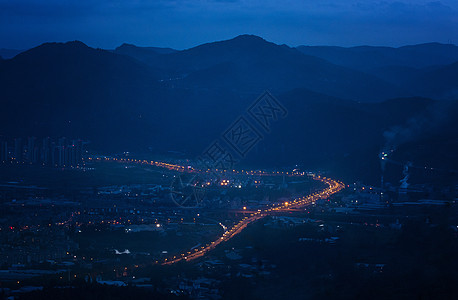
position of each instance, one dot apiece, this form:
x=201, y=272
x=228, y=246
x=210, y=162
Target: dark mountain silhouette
x=69, y=89
x=424, y=69
x=439, y=82
x=249, y=63
x=148, y=55
x=114, y=100
x=9, y=53
x=138, y=98
x=137, y=49
x=335, y=134
x=366, y=58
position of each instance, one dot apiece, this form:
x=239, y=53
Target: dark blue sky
x=185, y=23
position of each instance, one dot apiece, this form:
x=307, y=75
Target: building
x=18, y=150
x=48, y=153
x=4, y=155
x=32, y=151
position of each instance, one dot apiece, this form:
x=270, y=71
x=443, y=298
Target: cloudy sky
x=185, y=23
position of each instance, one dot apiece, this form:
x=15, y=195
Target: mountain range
x=343, y=103
x=9, y=53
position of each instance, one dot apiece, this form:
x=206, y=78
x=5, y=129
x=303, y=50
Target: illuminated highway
x=333, y=187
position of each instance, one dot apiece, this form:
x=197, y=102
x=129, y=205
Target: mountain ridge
x=183, y=100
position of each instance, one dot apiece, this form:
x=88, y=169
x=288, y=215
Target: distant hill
x=9, y=53
x=148, y=55
x=422, y=70
x=439, y=82
x=71, y=89
x=346, y=136
x=249, y=63
x=366, y=58
x=159, y=50
x=138, y=98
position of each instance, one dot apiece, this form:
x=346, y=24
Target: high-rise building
x=58, y=153
x=18, y=150
x=46, y=151
x=54, y=154
x=62, y=152
x=4, y=157
x=31, y=152
x=78, y=144
x=69, y=155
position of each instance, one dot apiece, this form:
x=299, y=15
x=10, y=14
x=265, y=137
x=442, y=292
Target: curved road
x=333, y=187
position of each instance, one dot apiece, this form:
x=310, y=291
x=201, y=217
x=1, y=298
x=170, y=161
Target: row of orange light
x=334, y=187
x=191, y=169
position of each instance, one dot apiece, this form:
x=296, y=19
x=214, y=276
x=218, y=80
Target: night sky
x=186, y=23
